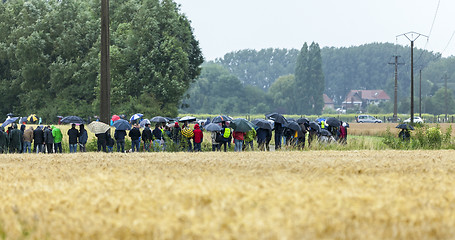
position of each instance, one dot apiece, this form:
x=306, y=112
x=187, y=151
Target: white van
x=368, y=119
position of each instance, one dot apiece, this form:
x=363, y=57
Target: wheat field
x=250, y=195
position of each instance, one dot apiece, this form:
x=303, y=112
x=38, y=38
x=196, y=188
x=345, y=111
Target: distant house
x=328, y=102
x=362, y=98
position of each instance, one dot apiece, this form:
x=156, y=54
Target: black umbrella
x=315, y=126
x=187, y=119
x=122, y=124
x=324, y=132
x=405, y=126
x=333, y=122
x=241, y=125
x=72, y=119
x=213, y=127
x=277, y=118
x=221, y=118
x=262, y=123
x=159, y=119
x=293, y=125
x=303, y=120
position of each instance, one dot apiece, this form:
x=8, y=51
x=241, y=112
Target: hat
x=176, y=124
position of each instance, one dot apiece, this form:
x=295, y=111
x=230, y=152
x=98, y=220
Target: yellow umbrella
x=32, y=118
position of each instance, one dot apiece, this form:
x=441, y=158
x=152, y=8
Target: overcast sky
x=222, y=26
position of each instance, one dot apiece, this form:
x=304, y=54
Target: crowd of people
x=164, y=137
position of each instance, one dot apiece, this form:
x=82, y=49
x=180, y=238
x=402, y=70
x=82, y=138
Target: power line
x=429, y=34
x=448, y=43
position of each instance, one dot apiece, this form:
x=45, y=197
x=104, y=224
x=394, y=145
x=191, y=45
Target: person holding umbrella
x=238, y=140
x=197, y=138
x=157, y=136
x=226, y=133
x=119, y=136
x=147, y=137
x=15, y=137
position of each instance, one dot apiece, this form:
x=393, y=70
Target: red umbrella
x=115, y=118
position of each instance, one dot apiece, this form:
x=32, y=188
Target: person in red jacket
x=198, y=138
x=238, y=140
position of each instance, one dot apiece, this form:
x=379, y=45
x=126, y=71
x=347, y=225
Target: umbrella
x=187, y=132
x=303, y=120
x=213, y=127
x=262, y=123
x=115, y=118
x=144, y=122
x=122, y=116
x=122, y=124
x=23, y=119
x=10, y=115
x=324, y=132
x=241, y=125
x=32, y=118
x=315, y=126
x=72, y=119
x=98, y=127
x=159, y=119
x=9, y=121
x=136, y=116
x=221, y=118
x=276, y=117
x=405, y=126
x=187, y=119
x=319, y=120
x=293, y=125
x=333, y=122
x=345, y=124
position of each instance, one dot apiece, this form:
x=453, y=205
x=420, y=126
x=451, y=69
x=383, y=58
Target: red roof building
x=363, y=98
x=328, y=102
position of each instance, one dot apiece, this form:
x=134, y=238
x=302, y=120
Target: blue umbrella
x=122, y=124
x=9, y=121
x=136, y=116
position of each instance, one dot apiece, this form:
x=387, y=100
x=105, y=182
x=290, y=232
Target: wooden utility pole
x=420, y=93
x=446, y=97
x=105, y=85
x=412, y=39
x=395, y=100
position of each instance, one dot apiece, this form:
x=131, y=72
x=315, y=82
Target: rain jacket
x=198, y=135
x=73, y=133
x=15, y=136
x=238, y=135
x=83, y=136
x=119, y=135
x=48, y=138
x=157, y=134
x=38, y=136
x=250, y=135
x=57, y=134
x=3, y=140
x=28, y=135
x=147, y=135
x=134, y=134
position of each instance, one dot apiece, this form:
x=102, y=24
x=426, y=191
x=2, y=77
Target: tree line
x=49, y=57
x=273, y=71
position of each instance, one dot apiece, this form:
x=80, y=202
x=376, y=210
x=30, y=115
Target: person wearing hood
x=48, y=139
x=197, y=138
x=83, y=138
x=38, y=140
x=176, y=133
x=3, y=141
x=58, y=136
x=28, y=139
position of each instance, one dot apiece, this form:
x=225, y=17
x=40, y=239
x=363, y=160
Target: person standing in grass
x=197, y=138
x=147, y=137
x=48, y=139
x=119, y=136
x=249, y=138
x=238, y=140
x=15, y=137
x=38, y=140
x=73, y=134
x=83, y=138
x=3, y=141
x=58, y=136
x=157, y=136
x=216, y=146
x=135, y=134
x=28, y=139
